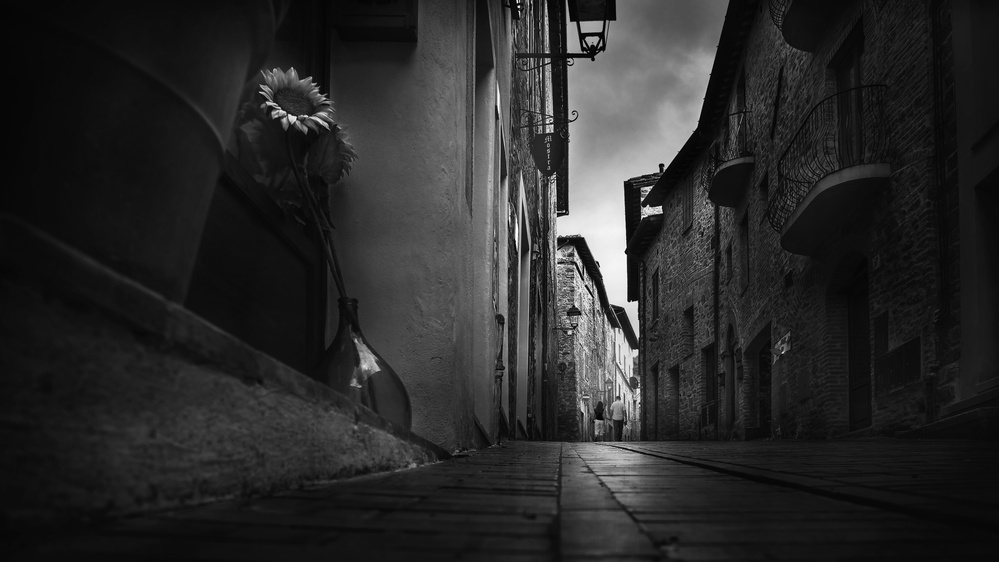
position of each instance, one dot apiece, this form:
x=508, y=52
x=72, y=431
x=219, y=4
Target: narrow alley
x=770, y=500
x=292, y=280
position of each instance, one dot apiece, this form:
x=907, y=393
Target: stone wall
x=764, y=292
x=586, y=356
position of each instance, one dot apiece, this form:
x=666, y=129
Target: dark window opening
x=744, y=251
x=777, y=98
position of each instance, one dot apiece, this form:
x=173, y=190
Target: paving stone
x=536, y=501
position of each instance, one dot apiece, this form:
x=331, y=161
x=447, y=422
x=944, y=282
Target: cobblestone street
x=769, y=500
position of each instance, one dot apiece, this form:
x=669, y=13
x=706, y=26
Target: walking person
x=598, y=423
x=619, y=416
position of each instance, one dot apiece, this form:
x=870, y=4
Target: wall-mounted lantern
x=592, y=18
x=572, y=315
x=516, y=7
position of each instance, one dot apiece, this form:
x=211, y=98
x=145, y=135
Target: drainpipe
x=716, y=279
x=643, y=363
x=500, y=368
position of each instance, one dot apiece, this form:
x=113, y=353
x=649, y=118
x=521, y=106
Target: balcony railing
x=734, y=141
x=731, y=161
x=846, y=129
x=778, y=9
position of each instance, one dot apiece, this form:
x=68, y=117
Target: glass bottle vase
x=352, y=367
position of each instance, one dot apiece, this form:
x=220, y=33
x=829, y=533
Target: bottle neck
x=348, y=311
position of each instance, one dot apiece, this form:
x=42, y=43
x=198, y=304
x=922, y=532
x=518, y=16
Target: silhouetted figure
x=619, y=416
x=598, y=422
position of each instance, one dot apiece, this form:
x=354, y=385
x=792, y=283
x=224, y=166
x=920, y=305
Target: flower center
x=293, y=102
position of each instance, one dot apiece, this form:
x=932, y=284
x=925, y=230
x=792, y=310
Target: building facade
x=642, y=224
x=165, y=310
x=819, y=266
x=596, y=357
x=626, y=384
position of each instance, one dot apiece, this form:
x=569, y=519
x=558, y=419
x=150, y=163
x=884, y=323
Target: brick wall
x=904, y=238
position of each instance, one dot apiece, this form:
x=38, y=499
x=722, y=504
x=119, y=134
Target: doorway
x=655, y=402
x=673, y=403
x=849, y=107
x=763, y=369
x=859, y=350
x=730, y=398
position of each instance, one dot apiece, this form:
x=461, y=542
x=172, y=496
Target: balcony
x=803, y=22
x=836, y=161
x=731, y=161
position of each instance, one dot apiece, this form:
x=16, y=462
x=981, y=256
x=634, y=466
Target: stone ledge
x=978, y=423
x=115, y=400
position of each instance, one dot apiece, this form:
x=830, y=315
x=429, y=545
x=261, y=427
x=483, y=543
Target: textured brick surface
x=746, y=292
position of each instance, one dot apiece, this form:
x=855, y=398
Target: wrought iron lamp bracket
x=546, y=120
x=523, y=63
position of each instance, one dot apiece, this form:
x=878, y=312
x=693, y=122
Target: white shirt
x=617, y=411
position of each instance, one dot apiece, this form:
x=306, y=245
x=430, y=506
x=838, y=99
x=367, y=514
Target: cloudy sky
x=638, y=102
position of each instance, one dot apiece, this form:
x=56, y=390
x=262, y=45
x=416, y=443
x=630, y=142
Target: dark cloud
x=638, y=103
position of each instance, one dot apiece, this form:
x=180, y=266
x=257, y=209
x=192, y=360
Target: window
x=709, y=408
x=687, y=336
x=728, y=262
x=740, y=93
x=744, y=251
x=709, y=362
x=655, y=295
x=846, y=66
x=777, y=98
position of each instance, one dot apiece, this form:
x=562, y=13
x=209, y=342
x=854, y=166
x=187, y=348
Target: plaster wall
x=115, y=401
x=403, y=222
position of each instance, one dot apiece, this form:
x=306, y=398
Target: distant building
x=595, y=361
x=824, y=262
x=642, y=224
x=625, y=383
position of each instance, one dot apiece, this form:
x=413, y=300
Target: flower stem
x=319, y=219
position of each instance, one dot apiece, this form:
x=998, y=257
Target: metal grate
x=778, y=8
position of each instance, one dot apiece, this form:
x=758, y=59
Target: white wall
x=414, y=253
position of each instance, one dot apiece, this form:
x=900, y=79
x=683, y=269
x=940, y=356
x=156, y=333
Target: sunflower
x=295, y=102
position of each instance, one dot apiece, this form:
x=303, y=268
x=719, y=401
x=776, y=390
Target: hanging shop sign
x=548, y=150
